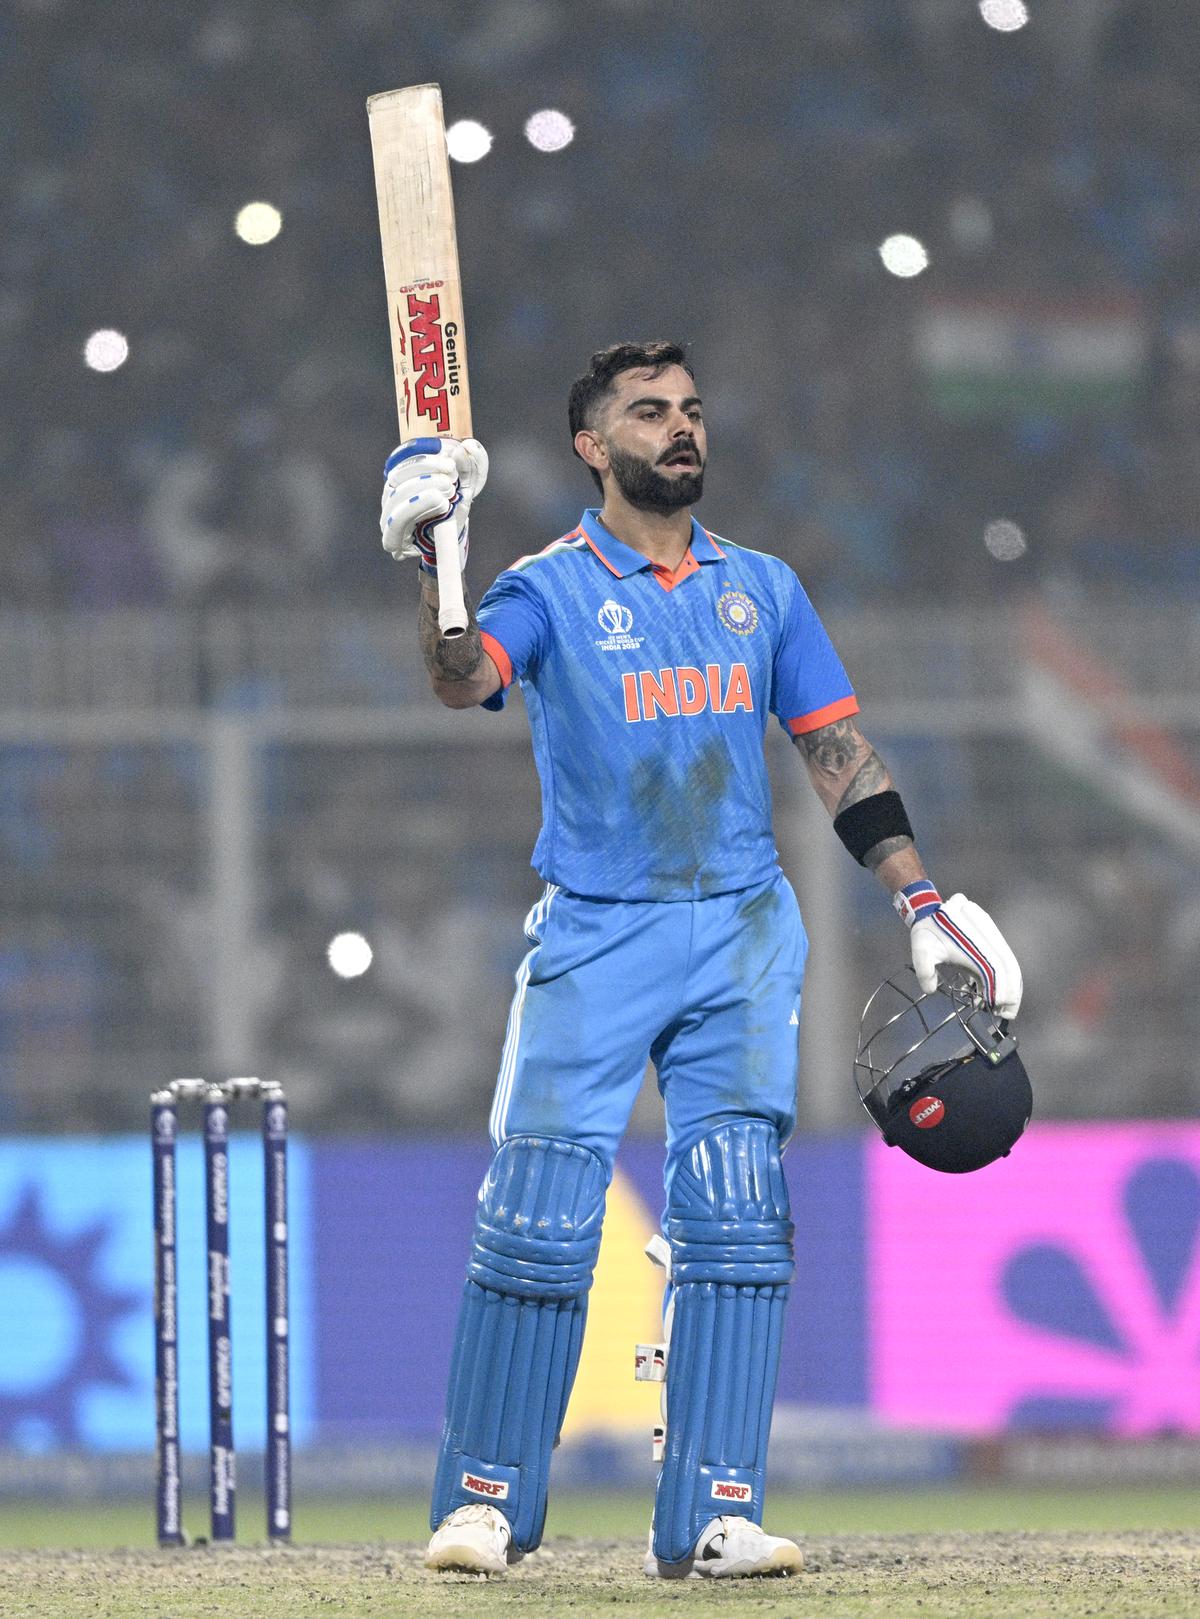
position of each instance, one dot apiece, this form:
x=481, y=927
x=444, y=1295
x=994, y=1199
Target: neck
x=663, y=537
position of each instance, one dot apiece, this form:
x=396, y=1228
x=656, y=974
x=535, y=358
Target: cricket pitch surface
x=1114, y=1574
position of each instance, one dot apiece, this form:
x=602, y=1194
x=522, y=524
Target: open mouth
x=683, y=458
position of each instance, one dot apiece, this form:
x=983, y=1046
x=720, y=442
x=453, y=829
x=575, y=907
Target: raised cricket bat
x=420, y=267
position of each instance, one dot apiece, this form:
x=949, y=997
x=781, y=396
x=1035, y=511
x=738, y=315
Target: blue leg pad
x=520, y=1329
x=731, y=1265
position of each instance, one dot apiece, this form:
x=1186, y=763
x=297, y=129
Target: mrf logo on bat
x=431, y=349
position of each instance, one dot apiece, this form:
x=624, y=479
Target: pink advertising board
x=1057, y=1288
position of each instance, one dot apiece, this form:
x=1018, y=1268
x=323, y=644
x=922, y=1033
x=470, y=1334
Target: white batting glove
x=958, y=933
x=424, y=481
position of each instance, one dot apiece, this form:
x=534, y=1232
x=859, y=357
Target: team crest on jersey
x=737, y=612
x=618, y=621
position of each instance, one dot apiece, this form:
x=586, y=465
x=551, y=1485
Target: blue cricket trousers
x=708, y=988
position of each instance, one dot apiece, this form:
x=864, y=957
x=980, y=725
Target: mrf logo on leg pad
x=492, y=1489
x=728, y=1489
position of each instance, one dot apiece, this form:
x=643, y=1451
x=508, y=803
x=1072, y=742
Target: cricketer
x=650, y=653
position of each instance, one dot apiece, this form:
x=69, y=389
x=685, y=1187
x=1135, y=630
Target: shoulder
x=760, y=562
x=770, y=575
x=536, y=582
x=539, y=567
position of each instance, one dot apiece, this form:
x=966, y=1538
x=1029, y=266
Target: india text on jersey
x=686, y=690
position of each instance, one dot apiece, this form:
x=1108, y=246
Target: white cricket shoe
x=474, y=1540
x=730, y=1549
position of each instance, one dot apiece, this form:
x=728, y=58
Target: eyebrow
x=653, y=399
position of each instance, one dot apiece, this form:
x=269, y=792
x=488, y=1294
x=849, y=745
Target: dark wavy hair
x=605, y=366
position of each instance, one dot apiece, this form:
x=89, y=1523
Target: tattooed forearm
x=870, y=777
x=844, y=768
x=449, y=662
x=874, y=858
x=842, y=765
x=832, y=749
x=460, y=671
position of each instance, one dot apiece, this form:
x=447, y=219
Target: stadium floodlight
x=258, y=223
x=1005, y=16
x=904, y=256
x=467, y=141
x=549, y=130
x=349, y=955
x=106, y=350
x=1005, y=540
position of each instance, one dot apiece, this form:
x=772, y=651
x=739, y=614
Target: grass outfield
x=625, y=1516
x=1120, y=1574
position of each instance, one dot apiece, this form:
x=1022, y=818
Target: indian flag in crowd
x=988, y=358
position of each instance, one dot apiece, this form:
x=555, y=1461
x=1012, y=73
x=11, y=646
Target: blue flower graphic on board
x=1125, y=1327
x=60, y=1317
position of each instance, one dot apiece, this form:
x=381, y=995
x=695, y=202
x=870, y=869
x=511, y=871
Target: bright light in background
x=467, y=141
x=903, y=256
x=1005, y=540
x=549, y=130
x=1006, y=16
x=106, y=350
x=349, y=955
x=258, y=223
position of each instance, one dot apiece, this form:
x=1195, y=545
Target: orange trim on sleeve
x=804, y=723
x=498, y=656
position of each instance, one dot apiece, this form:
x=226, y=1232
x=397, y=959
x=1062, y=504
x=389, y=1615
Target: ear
x=590, y=449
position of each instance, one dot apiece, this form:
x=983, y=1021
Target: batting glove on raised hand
x=424, y=481
x=958, y=933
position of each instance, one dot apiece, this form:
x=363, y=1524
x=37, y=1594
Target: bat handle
x=452, y=608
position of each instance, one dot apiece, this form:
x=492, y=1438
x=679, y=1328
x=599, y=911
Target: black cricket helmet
x=939, y=1073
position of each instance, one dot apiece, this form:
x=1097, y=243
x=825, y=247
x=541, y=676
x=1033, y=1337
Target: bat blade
x=424, y=290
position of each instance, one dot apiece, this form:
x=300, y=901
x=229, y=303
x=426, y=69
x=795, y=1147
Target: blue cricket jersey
x=648, y=694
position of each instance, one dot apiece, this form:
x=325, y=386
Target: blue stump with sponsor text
x=217, y=1101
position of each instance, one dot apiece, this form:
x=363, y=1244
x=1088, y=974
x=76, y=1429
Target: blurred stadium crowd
x=729, y=185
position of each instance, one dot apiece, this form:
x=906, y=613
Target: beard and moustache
x=652, y=491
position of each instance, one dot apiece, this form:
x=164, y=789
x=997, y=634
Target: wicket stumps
x=217, y=1100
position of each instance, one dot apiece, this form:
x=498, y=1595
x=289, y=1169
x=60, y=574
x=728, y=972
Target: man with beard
x=650, y=654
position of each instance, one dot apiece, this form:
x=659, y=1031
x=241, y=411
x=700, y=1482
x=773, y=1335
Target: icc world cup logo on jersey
x=614, y=618
x=617, y=621
x=737, y=612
